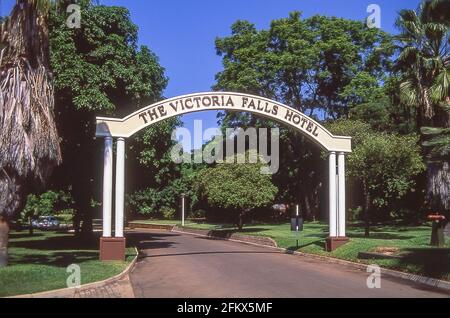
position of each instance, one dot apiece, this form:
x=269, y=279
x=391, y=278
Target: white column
x=332, y=194
x=182, y=209
x=107, y=186
x=341, y=200
x=120, y=186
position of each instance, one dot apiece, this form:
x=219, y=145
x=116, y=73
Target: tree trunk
x=308, y=212
x=30, y=226
x=87, y=229
x=438, y=185
x=366, y=210
x=240, y=224
x=4, y=236
x=29, y=147
x=438, y=169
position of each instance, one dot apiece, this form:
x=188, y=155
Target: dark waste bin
x=294, y=224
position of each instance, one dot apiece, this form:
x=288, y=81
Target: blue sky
x=182, y=32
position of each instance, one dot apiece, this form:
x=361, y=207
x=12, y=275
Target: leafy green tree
x=237, y=187
x=149, y=156
x=300, y=180
x=321, y=66
x=152, y=201
x=315, y=63
x=385, y=111
x=384, y=164
x=375, y=113
x=39, y=205
x=98, y=70
x=424, y=63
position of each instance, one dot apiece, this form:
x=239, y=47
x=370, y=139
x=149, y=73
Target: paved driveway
x=187, y=266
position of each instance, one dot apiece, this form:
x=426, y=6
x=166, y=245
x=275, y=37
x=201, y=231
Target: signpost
x=297, y=224
x=182, y=208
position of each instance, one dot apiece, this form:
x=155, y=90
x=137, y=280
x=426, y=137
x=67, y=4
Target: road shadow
x=59, y=243
x=224, y=233
x=380, y=236
x=324, y=235
x=21, y=235
x=59, y=250
x=319, y=243
x=149, y=241
x=211, y=253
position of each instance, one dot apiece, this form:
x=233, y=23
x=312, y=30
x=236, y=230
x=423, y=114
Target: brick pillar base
x=333, y=243
x=112, y=248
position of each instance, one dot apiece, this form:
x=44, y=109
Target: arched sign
x=126, y=127
x=113, y=248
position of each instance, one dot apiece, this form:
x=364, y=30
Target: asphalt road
x=186, y=266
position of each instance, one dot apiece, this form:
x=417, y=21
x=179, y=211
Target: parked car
x=46, y=223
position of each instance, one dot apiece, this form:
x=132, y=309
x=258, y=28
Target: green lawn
x=38, y=263
x=415, y=254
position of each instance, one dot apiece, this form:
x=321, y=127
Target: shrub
x=168, y=213
x=239, y=188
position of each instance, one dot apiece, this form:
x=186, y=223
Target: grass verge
x=38, y=263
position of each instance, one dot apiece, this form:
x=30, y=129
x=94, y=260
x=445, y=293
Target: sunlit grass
x=39, y=262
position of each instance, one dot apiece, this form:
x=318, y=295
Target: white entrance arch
x=120, y=129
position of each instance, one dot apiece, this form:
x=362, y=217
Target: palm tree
x=424, y=41
x=425, y=60
x=29, y=143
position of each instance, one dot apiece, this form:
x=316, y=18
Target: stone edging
x=150, y=226
x=257, y=240
x=71, y=292
x=438, y=284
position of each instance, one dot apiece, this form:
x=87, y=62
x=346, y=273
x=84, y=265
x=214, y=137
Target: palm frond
x=408, y=93
x=439, y=146
x=439, y=91
x=434, y=131
x=409, y=23
x=409, y=54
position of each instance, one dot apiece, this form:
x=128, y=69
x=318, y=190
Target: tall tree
x=321, y=66
x=425, y=64
x=98, y=70
x=310, y=64
x=29, y=144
